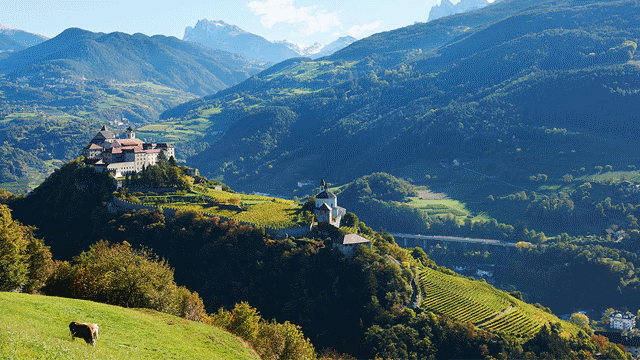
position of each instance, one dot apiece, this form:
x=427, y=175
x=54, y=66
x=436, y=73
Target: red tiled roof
x=129, y=142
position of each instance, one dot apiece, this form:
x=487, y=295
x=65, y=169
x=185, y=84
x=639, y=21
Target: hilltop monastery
x=123, y=156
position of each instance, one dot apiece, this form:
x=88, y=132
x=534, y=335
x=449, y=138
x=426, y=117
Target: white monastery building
x=123, y=156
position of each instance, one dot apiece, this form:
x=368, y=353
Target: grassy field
x=175, y=131
x=611, y=176
x=309, y=70
x=439, y=206
x=37, y=327
x=483, y=305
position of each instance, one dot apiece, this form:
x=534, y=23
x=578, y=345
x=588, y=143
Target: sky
x=300, y=21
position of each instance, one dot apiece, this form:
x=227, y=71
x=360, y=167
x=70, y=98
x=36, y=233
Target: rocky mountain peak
x=446, y=8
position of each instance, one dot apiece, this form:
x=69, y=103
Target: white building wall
x=122, y=168
x=331, y=202
x=621, y=324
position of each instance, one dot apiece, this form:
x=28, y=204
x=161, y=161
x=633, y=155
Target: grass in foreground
x=37, y=327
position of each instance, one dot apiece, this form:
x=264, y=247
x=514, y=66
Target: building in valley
x=623, y=321
x=123, y=156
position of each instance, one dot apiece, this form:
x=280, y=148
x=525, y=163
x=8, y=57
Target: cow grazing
x=83, y=331
x=95, y=329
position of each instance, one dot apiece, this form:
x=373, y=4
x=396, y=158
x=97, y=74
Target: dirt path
x=501, y=314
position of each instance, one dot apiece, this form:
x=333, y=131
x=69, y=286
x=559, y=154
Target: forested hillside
x=15, y=39
x=489, y=95
x=47, y=123
x=54, y=96
x=300, y=280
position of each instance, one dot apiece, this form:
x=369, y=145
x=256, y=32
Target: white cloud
x=313, y=20
x=358, y=31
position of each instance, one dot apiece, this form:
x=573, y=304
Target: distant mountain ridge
x=222, y=36
x=338, y=44
x=134, y=58
x=470, y=84
x=429, y=36
x=15, y=40
x=446, y=8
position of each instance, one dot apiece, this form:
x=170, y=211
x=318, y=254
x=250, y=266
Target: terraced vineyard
x=481, y=304
x=514, y=320
x=255, y=209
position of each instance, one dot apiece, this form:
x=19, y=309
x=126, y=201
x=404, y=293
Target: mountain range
x=56, y=93
x=131, y=58
x=480, y=85
x=222, y=36
x=16, y=40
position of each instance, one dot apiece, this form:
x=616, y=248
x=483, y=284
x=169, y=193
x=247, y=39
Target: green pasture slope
x=483, y=305
x=37, y=327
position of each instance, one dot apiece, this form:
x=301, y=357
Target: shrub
x=119, y=275
x=270, y=339
x=25, y=262
x=190, y=306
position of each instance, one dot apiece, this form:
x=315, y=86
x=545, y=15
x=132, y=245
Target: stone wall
x=118, y=205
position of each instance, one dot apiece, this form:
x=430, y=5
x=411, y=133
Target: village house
x=349, y=243
x=123, y=156
x=628, y=186
x=624, y=321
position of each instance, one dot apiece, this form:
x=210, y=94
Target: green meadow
x=37, y=327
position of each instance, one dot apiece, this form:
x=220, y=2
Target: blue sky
x=301, y=21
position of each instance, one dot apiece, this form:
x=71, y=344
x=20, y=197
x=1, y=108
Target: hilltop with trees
x=301, y=281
